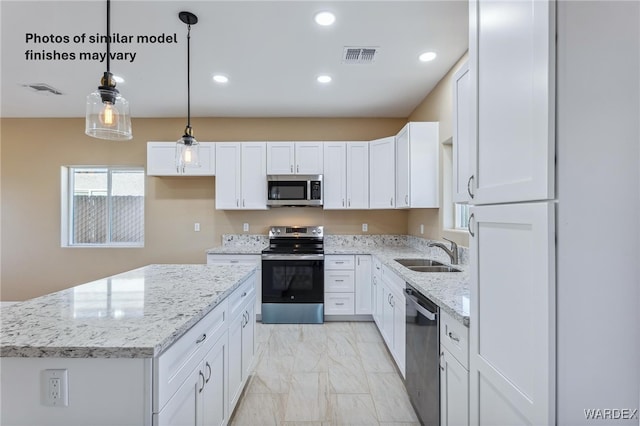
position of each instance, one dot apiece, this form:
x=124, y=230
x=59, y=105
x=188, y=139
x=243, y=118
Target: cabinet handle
x=453, y=337
x=339, y=262
x=237, y=202
x=209, y=372
x=358, y=259
x=177, y=169
x=234, y=261
x=440, y=360
x=298, y=168
x=469, y=225
x=203, y=381
x=244, y=294
x=406, y=199
x=349, y=202
x=201, y=339
x=343, y=202
x=340, y=304
x=469, y=186
x=243, y=202
x=291, y=168
x=339, y=281
x=391, y=202
x=393, y=301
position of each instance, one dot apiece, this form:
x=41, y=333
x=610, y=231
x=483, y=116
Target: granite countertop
x=136, y=314
x=448, y=290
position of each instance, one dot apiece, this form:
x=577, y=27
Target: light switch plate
x=245, y=227
x=365, y=227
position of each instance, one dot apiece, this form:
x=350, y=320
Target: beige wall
x=33, y=263
x=438, y=106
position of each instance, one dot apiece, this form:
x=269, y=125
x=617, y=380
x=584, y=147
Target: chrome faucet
x=452, y=252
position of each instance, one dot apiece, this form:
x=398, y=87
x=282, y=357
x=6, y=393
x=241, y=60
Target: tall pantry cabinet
x=512, y=329
x=555, y=160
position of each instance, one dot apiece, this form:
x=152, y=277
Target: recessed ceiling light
x=427, y=56
x=218, y=78
x=325, y=18
x=118, y=79
x=324, y=79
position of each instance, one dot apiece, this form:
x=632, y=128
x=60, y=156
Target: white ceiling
x=271, y=51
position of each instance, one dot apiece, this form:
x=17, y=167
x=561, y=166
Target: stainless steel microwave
x=294, y=190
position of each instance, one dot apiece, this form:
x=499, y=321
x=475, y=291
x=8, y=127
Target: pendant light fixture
x=188, y=149
x=107, y=115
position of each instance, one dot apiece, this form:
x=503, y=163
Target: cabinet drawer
x=339, y=304
x=455, y=337
x=239, y=298
x=339, y=281
x=339, y=261
x=175, y=364
x=234, y=259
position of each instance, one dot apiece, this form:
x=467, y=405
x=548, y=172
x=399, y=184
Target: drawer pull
x=339, y=281
x=339, y=262
x=234, y=261
x=244, y=294
x=340, y=304
x=440, y=361
x=201, y=339
x=453, y=337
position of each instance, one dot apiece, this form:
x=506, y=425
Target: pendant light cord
x=189, y=76
x=108, y=35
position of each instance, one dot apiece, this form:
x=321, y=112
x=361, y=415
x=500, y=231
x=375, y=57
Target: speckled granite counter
x=136, y=314
x=449, y=290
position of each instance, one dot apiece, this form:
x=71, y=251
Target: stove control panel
x=296, y=231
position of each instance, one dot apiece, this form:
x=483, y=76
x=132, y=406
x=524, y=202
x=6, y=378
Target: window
x=103, y=207
x=462, y=216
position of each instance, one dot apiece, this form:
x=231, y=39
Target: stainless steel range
x=293, y=276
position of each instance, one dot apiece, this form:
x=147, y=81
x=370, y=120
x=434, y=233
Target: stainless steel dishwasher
x=422, y=357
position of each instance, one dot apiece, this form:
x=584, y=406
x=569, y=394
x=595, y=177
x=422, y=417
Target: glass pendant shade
x=108, y=119
x=187, y=153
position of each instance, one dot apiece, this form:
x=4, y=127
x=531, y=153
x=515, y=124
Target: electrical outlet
x=421, y=229
x=365, y=227
x=196, y=227
x=245, y=227
x=55, y=388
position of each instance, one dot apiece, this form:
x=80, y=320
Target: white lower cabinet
x=347, y=285
x=200, y=400
x=454, y=372
x=392, y=319
x=242, y=259
x=376, y=292
x=241, y=350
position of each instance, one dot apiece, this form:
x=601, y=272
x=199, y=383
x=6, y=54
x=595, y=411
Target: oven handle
x=293, y=257
x=421, y=309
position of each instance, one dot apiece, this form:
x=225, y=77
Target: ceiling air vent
x=359, y=55
x=43, y=88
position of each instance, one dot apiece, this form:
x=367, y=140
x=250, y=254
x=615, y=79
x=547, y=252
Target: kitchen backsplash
x=259, y=241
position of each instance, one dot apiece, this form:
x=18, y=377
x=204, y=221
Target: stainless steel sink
x=418, y=262
x=433, y=269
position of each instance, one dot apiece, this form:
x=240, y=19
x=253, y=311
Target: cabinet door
x=402, y=168
x=207, y=161
x=387, y=315
x=235, y=359
x=214, y=396
x=399, y=328
x=161, y=159
x=309, y=158
x=357, y=175
x=228, y=166
x=376, y=290
x=254, y=176
x=280, y=158
x=364, y=297
x=182, y=408
x=454, y=391
x=512, y=337
x=335, y=175
x=512, y=70
x=382, y=173
x=248, y=340
x=462, y=136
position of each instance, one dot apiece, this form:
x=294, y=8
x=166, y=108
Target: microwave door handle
x=308, y=189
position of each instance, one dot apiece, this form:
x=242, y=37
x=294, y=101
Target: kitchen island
x=156, y=345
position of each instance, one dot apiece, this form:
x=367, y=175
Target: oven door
x=292, y=278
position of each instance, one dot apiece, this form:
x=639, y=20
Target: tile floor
x=337, y=373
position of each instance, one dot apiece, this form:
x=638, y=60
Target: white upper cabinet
x=346, y=175
x=462, y=136
x=417, y=174
x=161, y=160
x=287, y=158
x=357, y=175
x=382, y=173
x=513, y=89
x=241, y=181
x=335, y=175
